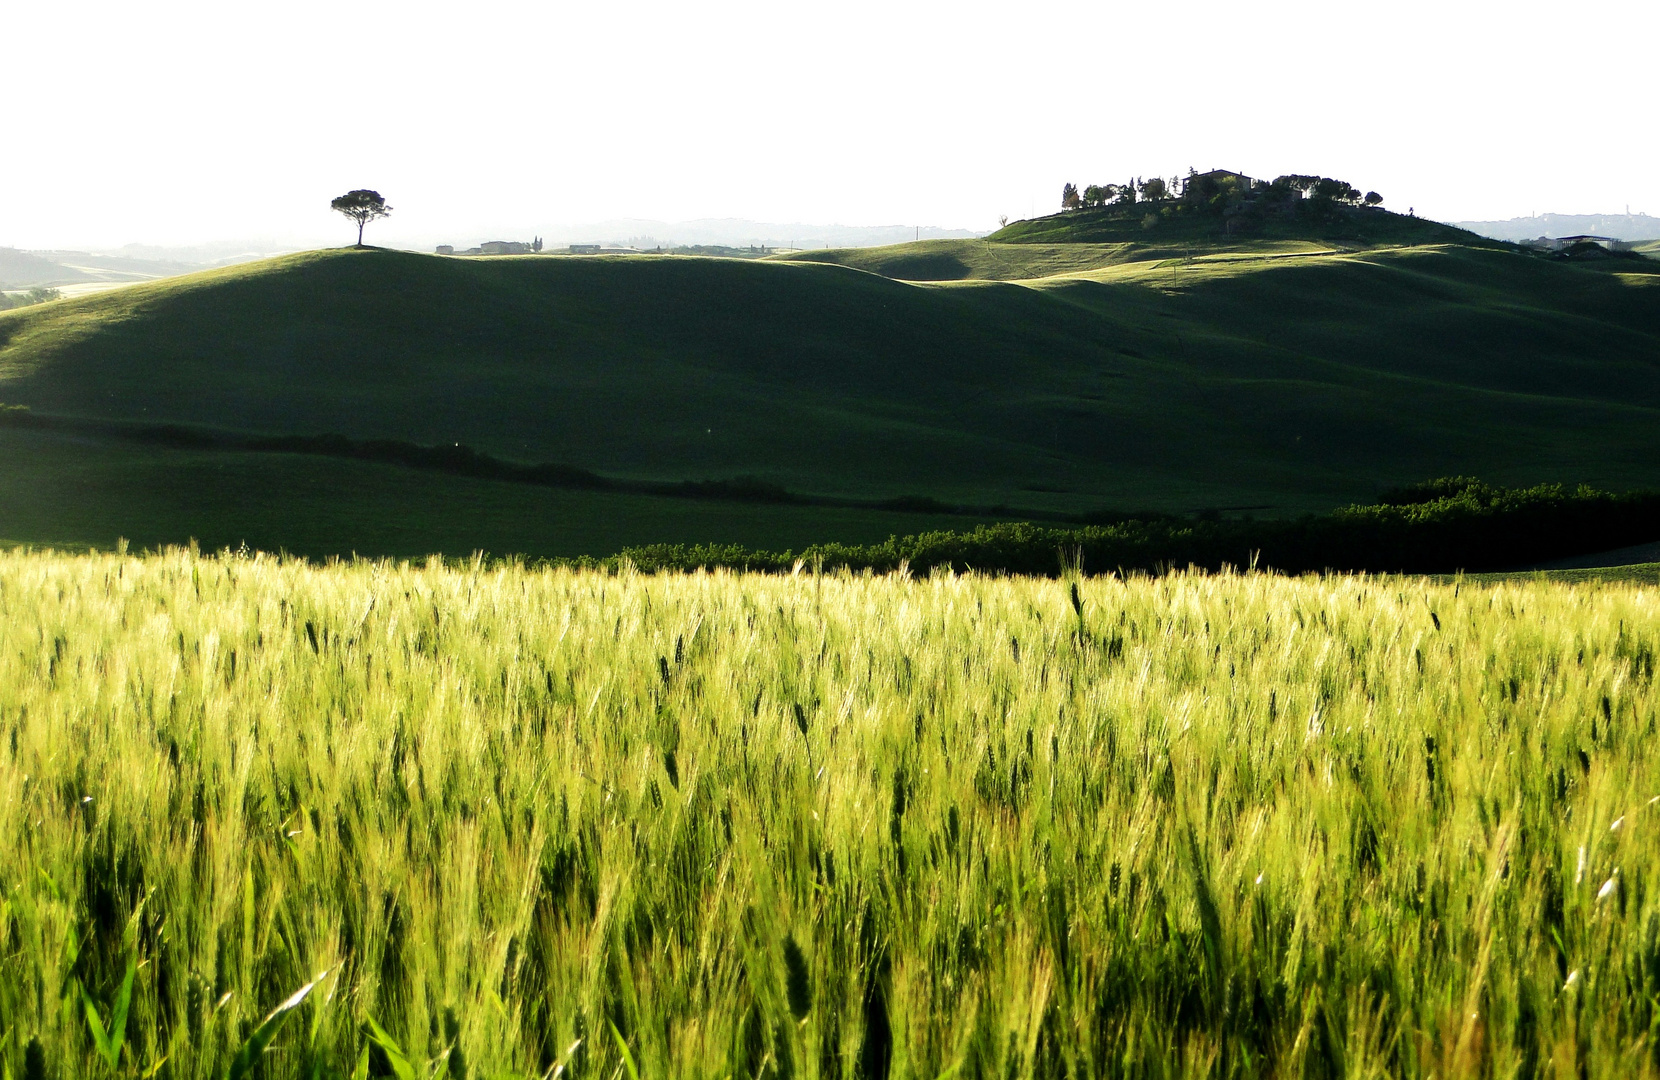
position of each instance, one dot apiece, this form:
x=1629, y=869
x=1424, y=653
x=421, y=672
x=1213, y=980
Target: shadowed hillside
x=1278, y=375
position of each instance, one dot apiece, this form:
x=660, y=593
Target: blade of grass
x=628, y=1058
x=118, y=1016
x=247, y=1057
x=100, y=1037
x=395, y=1057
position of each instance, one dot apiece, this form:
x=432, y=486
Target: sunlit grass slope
x=709, y=825
x=960, y=260
x=1285, y=375
x=989, y=260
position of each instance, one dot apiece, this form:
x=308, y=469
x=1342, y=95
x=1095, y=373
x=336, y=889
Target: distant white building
x=1563, y=243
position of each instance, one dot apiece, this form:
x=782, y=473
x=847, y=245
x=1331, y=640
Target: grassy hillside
x=1631, y=574
x=1096, y=238
x=524, y=824
x=993, y=260
x=1274, y=374
x=74, y=492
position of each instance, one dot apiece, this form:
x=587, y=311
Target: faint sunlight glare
x=182, y=121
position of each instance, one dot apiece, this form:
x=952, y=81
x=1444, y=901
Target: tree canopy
x=361, y=206
x=1242, y=200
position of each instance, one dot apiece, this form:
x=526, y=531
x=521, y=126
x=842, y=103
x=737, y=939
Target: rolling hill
x=26, y=270
x=1174, y=222
x=1062, y=368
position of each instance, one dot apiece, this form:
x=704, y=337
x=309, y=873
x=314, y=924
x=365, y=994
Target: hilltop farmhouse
x=496, y=247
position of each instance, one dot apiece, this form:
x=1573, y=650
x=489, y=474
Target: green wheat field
x=268, y=818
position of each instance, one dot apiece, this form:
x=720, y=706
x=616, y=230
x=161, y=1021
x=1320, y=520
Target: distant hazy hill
x=738, y=232
x=134, y=262
x=25, y=270
x=199, y=256
x=1618, y=226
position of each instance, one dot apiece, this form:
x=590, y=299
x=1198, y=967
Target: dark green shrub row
x=1439, y=527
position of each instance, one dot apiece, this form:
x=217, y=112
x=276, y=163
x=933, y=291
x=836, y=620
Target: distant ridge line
x=1630, y=227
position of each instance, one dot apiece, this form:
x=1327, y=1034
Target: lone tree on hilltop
x=1373, y=198
x=361, y=206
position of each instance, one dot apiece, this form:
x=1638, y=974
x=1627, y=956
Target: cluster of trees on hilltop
x=1137, y=190
x=1222, y=192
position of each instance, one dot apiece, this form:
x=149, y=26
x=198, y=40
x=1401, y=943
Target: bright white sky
x=173, y=122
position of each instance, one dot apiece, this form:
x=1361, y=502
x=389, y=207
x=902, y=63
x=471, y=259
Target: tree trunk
x=360, y=233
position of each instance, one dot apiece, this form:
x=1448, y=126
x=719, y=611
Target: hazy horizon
x=646, y=232
x=738, y=232
x=186, y=122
